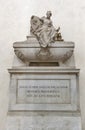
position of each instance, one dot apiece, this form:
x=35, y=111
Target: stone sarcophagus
x=30, y=52
x=44, y=82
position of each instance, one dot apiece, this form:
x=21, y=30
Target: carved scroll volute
x=21, y=56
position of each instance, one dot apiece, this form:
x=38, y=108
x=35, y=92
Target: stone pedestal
x=44, y=95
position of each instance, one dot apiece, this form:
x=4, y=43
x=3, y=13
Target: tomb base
x=44, y=98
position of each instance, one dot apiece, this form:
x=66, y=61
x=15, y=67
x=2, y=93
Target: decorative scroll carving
x=64, y=57
x=44, y=54
x=21, y=56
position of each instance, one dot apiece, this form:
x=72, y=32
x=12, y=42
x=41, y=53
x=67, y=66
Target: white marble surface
x=60, y=81
x=43, y=123
x=14, y=23
x=30, y=51
x=60, y=89
x=44, y=113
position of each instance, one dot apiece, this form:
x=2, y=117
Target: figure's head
x=49, y=14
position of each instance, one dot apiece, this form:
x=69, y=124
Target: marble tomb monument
x=44, y=81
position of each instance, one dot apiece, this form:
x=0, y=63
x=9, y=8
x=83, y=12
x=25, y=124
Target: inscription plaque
x=43, y=91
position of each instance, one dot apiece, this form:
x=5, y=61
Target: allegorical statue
x=44, y=30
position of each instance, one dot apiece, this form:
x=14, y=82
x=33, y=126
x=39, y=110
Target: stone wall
x=15, y=25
